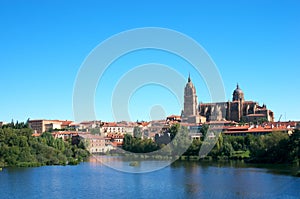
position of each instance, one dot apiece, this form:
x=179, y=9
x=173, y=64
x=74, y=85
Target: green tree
x=138, y=145
x=174, y=130
x=227, y=150
x=294, y=147
x=194, y=149
x=203, y=130
x=181, y=141
x=19, y=148
x=95, y=131
x=127, y=142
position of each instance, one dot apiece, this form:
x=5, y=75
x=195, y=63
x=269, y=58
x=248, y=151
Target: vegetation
x=19, y=148
x=177, y=133
x=95, y=131
x=276, y=147
x=16, y=125
x=138, y=145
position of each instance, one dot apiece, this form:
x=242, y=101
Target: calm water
x=180, y=180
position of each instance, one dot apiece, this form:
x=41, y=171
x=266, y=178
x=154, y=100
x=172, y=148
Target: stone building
x=190, y=112
x=237, y=110
x=41, y=126
x=190, y=99
x=93, y=143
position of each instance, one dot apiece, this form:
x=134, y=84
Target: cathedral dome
x=238, y=90
x=238, y=94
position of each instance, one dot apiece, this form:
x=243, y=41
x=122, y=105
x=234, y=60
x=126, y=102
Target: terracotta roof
x=115, y=135
x=254, y=129
x=66, y=123
x=174, y=116
x=110, y=124
x=36, y=134
x=143, y=123
x=116, y=144
x=238, y=128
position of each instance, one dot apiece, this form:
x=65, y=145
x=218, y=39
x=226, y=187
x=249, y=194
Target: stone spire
x=190, y=99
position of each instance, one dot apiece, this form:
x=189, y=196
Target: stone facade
x=190, y=112
x=237, y=110
x=190, y=99
x=41, y=126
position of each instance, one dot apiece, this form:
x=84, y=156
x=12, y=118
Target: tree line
x=19, y=148
x=276, y=147
x=169, y=144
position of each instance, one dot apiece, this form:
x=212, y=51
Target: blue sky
x=43, y=44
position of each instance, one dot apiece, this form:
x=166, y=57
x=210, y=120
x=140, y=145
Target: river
x=179, y=180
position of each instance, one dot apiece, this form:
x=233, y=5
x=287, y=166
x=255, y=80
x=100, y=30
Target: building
x=64, y=134
x=41, y=126
x=257, y=130
x=190, y=112
x=114, y=139
x=190, y=99
x=93, y=143
x=112, y=127
x=173, y=119
x=66, y=124
x=85, y=125
x=127, y=127
x=238, y=110
x=155, y=127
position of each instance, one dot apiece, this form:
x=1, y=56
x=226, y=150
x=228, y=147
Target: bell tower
x=190, y=100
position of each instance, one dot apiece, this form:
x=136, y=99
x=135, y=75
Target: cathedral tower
x=238, y=97
x=190, y=100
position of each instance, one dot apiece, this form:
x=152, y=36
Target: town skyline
x=207, y=115
x=281, y=117
x=255, y=44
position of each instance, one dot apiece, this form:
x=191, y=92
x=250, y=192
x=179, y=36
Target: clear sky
x=43, y=44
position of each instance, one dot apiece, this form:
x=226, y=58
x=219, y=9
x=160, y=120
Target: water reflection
x=179, y=180
x=234, y=179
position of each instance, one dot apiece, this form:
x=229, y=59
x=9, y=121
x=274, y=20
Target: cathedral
x=237, y=110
